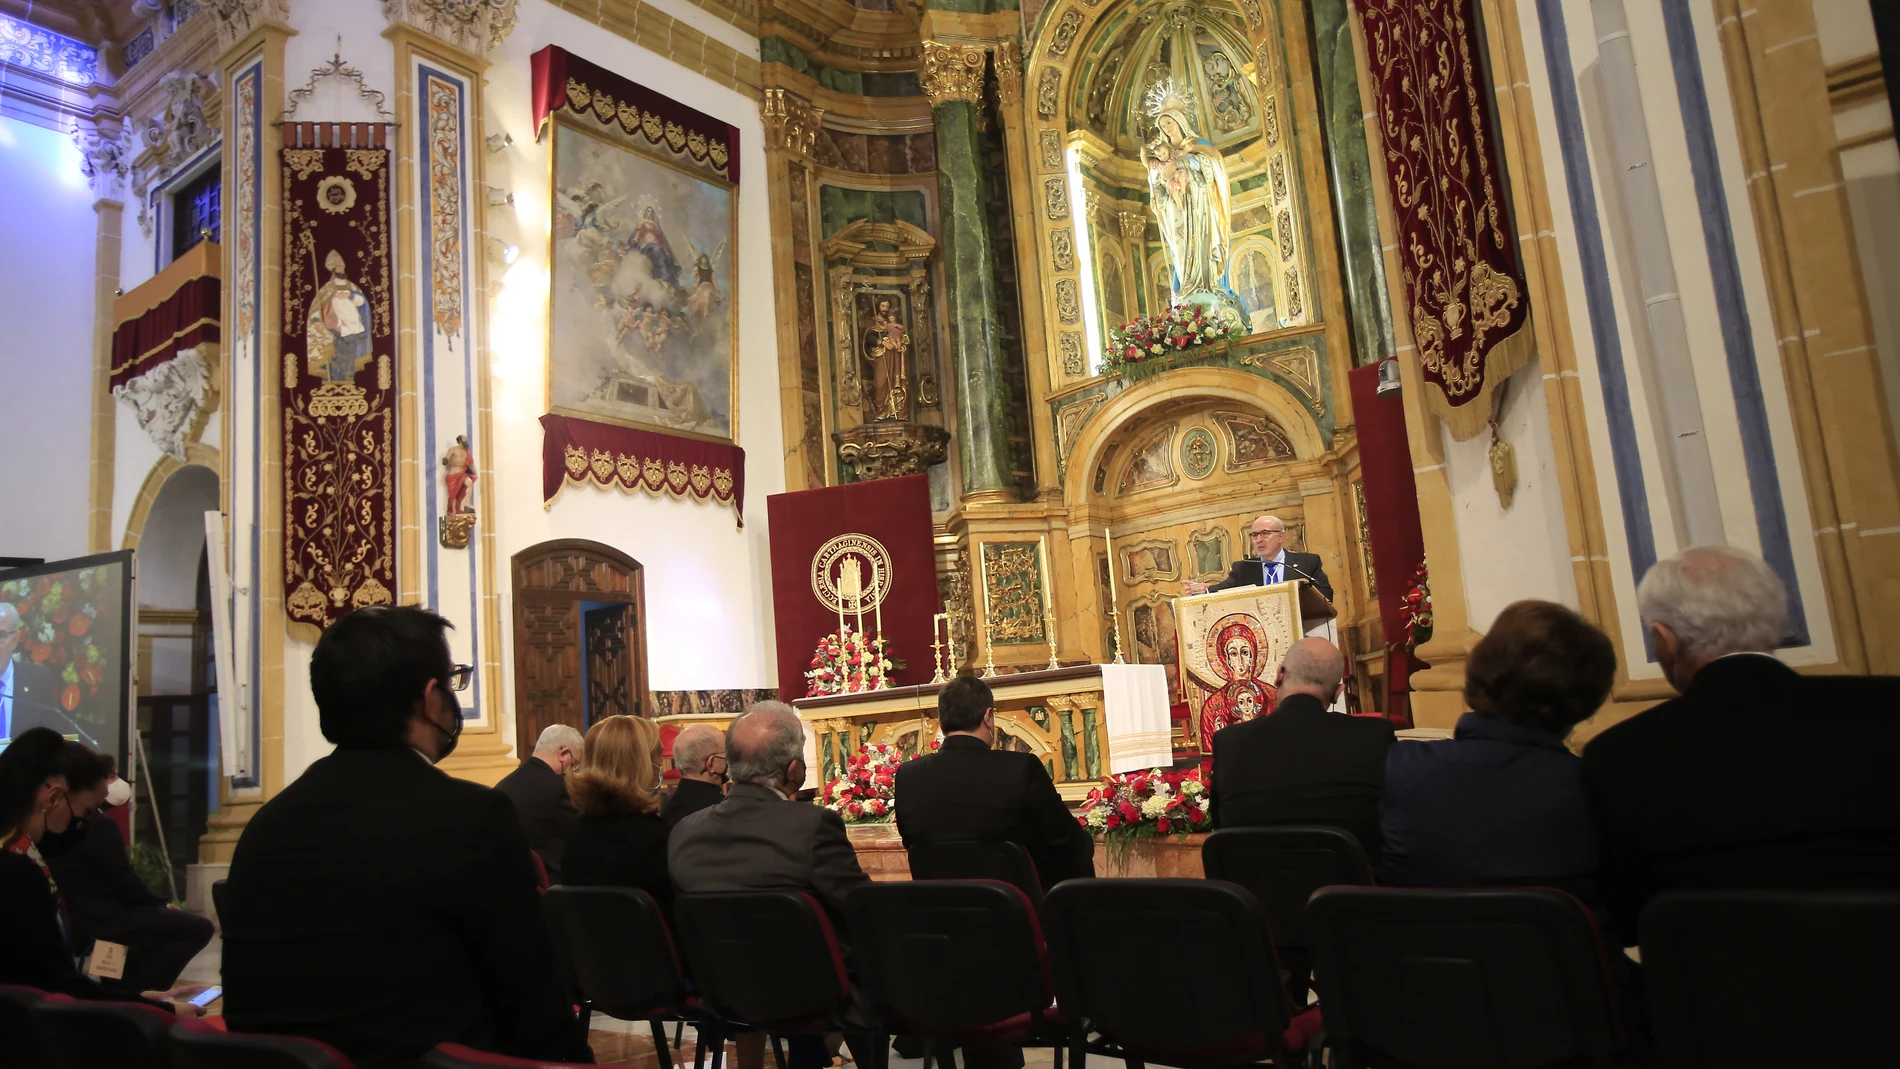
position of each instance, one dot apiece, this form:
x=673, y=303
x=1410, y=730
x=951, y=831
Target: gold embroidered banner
x=339, y=390
x=578, y=450
x=1469, y=310
x=561, y=80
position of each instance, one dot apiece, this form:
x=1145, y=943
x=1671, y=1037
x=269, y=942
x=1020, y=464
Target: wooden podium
x=1232, y=642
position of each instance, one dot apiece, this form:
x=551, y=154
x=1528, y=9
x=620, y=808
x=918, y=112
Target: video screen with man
x=64, y=657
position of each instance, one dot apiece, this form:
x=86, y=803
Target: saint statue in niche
x=458, y=476
x=1187, y=190
x=886, y=347
x=1236, y=660
x=337, y=328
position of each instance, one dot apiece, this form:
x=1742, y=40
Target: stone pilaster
x=953, y=80
x=105, y=158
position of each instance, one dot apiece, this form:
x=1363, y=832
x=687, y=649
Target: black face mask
x=453, y=706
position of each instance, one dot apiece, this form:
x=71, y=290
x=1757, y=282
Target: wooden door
x=551, y=579
x=610, y=678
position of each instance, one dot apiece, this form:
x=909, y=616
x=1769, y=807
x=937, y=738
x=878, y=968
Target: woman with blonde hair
x=619, y=840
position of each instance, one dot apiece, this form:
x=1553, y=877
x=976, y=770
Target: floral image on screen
x=62, y=651
x=642, y=319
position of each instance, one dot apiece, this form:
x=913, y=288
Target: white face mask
x=118, y=792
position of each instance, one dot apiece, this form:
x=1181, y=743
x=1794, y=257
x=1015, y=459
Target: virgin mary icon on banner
x=1232, y=643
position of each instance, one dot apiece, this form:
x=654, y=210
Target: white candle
x=1048, y=595
x=1114, y=598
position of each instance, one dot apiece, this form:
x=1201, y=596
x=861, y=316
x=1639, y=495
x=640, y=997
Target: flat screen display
x=65, y=657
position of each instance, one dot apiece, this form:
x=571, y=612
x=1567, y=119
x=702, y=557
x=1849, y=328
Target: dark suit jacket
x=547, y=813
x=1302, y=765
x=95, y=875
x=35, y=700
x=382, y=907
x=33, y=951
x=1247, y=572
x=968, y=791
x=1498, y=804
x=1756, y=777
x=620, y=850
x=757, y=841
x=689, y=797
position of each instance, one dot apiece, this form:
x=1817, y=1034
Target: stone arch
x=197, y=454
x=1133, y=405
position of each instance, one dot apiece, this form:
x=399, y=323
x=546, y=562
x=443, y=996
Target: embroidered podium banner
x=577, y=450
x=1461, y=275
x=339, y=389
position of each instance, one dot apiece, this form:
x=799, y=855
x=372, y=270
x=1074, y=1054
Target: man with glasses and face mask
x=1271, y=563
x=376, y=903
x=699, y=753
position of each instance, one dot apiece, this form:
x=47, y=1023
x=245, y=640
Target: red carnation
x=1162, y=825
x=1195, y=816
x=1129, y=812
x=1112, y=822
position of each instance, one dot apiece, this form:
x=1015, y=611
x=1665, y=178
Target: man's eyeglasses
x=4, y=635
x=459, y=675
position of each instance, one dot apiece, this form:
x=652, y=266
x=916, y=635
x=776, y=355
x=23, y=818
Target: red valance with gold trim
x=176, y=310
x=578, y=450
x=564, y=81
x=1468, y=305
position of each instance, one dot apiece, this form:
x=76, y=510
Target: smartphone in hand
x=207, y=996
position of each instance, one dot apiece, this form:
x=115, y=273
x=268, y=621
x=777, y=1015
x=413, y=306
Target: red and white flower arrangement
x=1139, y=805
x=847, y=662
x=867, y=792
x=56, y=625
x=1417, y=608
x=1139, y=347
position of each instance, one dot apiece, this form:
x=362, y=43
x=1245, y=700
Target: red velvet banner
x=1392, y=525
x=186, y=318
x=339, y=388
x=579, y=450
x=812, y=530
x=564, y=80
x=1455, y=239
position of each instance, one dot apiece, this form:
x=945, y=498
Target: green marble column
x=953, y=79
x=1070, y=770
x=1349, y=171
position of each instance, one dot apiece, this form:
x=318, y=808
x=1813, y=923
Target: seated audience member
x=620, y=840
x=1502, y=802
x=699, y=753
x=759, y=839
x=1754, y=776
x=35, y=945
x=538, y=787
x=968, y=790
x=378, y=904
x=1301, y=764
x=105, y=897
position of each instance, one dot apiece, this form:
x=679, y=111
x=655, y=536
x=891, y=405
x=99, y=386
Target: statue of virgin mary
x=1187, y=190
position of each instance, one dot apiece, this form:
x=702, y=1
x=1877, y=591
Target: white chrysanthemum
x=1155, y=806
x=1192, y=788
x=1097, y=819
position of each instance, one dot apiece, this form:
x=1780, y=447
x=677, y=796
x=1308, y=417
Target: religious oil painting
x=1152, y=621
x=642, y=319
x=1232, y=643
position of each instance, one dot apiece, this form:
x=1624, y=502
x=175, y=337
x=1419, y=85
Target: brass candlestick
x=1115, y=615
x=1049, y=625
x=989, y=654
x=938, y=649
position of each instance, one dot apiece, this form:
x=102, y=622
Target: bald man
x=27, y=690
x=700, y=755
x=1301, y=764
x=1271, y=563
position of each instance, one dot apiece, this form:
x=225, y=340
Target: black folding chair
x=197, y=1045
x=960, y=963
x=1103, y=934
x=81, y=1034
x=1507, y=979
x=26, y=1046
x=771, y=960
x=624, y=962
x=1771, y=978
x=1282, y=866
x=968, y=859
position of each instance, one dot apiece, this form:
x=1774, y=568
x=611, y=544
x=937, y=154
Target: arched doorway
x=580, y=636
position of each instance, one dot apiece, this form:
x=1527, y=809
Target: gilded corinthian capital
x=791, y=121
x=953, y=72
x=1009, y=73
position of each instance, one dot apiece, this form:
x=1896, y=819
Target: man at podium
x=1271, y=563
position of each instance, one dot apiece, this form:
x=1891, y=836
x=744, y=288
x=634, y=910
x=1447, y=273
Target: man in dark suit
x=699, y=753
x=376, y=904
x=1301, y=764
x=1754, y=776
x=760, y=839
x=1271, y=563
x=538, y=788
x=970, y=791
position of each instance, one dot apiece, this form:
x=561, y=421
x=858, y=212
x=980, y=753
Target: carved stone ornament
x=887, y=450
x=1055, y=197
x=235, y=18
x=1009, y=73
x=179, y=133
x=1072, y=362
x=1065, y=31
x=471, y=25
x=793, y=122
x=167, y=400
x=1062, y=249
x=1133, y=224
x=1048, y=91
x=1051, y=149
x=105, y=161
x=1068, y=300
x=953, y=72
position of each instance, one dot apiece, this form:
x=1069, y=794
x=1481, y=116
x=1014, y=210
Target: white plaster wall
x=47, y=228
x=134, y=454
x=174, y=539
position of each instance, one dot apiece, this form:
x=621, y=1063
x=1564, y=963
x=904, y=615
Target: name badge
x=107, y=961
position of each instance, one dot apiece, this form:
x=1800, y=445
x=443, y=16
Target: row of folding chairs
x=52, y=1031
x=1186, y=972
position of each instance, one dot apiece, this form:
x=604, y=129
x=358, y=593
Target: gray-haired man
x=699, y=753
x=539, y=790
x=1754, y=776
